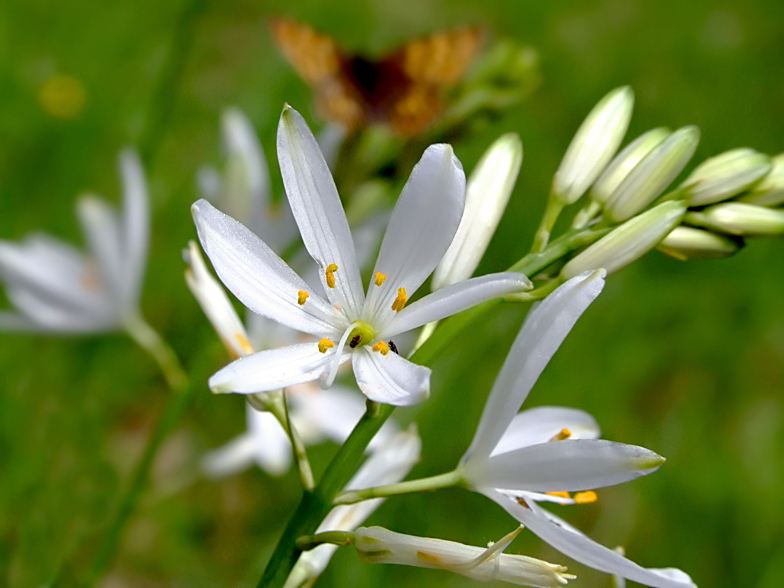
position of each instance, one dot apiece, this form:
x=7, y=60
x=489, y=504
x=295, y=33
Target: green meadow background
x=684, y=358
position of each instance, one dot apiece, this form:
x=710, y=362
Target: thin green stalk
x=342, y=538
x=551, y=214
x=149, y=340
x=280, y=409
x=453, y=478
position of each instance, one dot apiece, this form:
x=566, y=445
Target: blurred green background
x=683, y=358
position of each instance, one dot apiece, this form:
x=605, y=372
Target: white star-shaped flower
x=517, y=459
x=56, y=288
x=348, y=324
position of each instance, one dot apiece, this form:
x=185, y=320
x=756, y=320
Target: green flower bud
x=625, y=162
x=738, y=218
x=723, y=176
x=689, y=243
x=596, y=141
x=770, y=191
x=628, y=242
x=653, y=174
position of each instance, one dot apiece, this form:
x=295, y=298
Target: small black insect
x=393, y=347
x=355, y=341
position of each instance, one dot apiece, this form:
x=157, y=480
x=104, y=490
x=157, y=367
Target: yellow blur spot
x=62, y=96
x=585, y=497
x=302, y=296
x=331, y=269
x=325, y=344
x=382, y=347
x=561, y=435
x=400, y=301
x=244, y=343
x=559, y=494
x=380, y=278
x=434, y=559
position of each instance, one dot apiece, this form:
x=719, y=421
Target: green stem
x=279, y=408
x=586, y=215
x=317, y=504
x=342, y=538
x=149, y=340
x=453, y=478
x=551, y=213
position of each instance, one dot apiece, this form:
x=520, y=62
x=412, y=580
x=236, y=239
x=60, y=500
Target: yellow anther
x=381, y=347
x=380, y=278
x=559, y=494
x=325, y=344
x=302, y=296
x=585, y=497
x=331, y=269
x=244, y=343
x=401, y=300
x=561, y=435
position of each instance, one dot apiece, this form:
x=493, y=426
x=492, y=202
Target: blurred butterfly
x=403, y=89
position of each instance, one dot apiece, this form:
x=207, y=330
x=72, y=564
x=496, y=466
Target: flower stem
x=342, y=538
x=149, y=340
x=551, y=213
x=280, y=409
x=453, y=478
x=586, y=215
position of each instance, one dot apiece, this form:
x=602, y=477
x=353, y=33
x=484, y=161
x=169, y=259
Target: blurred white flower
x=56, y=288
x=543, y=454
x=390, y=462
x=349, y=325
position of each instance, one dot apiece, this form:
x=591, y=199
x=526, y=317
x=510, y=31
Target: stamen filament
x=333, y=369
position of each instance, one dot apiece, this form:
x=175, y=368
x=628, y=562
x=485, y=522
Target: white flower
x=515, y=459
x=349, y=325
x=379, y=545
x=389, y=463
x=55, y=287
x=317, y=415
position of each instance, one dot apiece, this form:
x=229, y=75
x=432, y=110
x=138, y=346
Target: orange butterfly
x=403, y=90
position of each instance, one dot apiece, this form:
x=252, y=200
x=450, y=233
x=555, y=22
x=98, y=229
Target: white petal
x=487, y=193
x=390, y=379
x=317, y=209
x=422, y=226
x=104, y=238
x=543, y=332
x=273, y=369
x=570, y=465
x=258, y=277
x=48, y=311
x=272, y=445
x=136, y=226
x=454, y=299
x=233, y=457
x=574, y=544
x=332, y=413
x=11, y=321
x=216, y=305
x=540, y=424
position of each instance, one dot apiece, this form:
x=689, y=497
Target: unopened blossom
x=348, y=324
x=379, y=545
x=725, y=175
x=389, y=463
x=546, y=454
x=57, y=288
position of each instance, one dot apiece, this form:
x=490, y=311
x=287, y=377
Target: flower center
x=360, y=333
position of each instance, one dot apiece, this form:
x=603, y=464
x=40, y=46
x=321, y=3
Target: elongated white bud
x=723, y=176
x=594, y=144
x=628, y=242
x=689, y=243
x=770, y=191
x=737, y=218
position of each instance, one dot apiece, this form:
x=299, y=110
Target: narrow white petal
x=215, y=304
x=272, y=446
x=540, y=424
x=542, y=334
x=136, y=226
x=105, y=241
x=390, y=379
x=454, y=299
x=49, y=311
x=570, y=465
x=574, y=544
x=258, y=277
x=487, y=193
x=273, y=369
x=333, y=412
x=422, y=226
x=317, y=209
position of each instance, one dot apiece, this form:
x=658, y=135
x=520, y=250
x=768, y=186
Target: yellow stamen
x=325, y=344
x=585, y=497
x=331, y=269
x=302, y=296
x=559, y=494
x=244, y=343
x=561, y=435
x=381, y=347
x=400, y=301
x=380, y=278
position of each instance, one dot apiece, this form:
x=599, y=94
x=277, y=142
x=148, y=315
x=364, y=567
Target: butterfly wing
x=320, y=63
